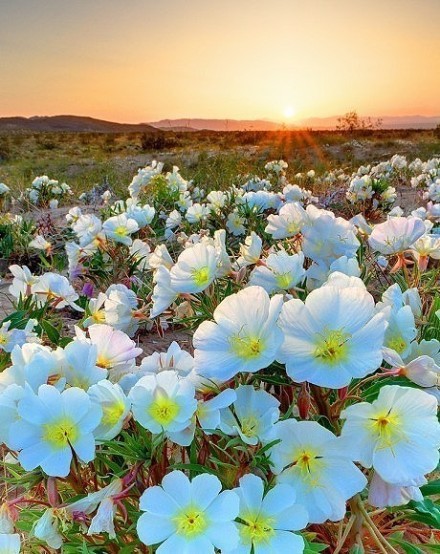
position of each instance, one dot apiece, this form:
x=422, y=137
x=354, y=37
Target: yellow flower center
x=103, y=362
x=164, y=410
x=257, y=528
x=397, y=343
x=112, y=413
x=332, y=348
x=387, y=429
x=292, y=228
x=247, y=348
x=250, y=426
x=307, y=464
x=201, y=276
x=283, y=280
x=121, y=231
x=3, y=339
x=60, y=433
x=99, y=316
x=190, y=522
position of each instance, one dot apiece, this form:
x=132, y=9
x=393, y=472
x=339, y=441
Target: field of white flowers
x=301, y=414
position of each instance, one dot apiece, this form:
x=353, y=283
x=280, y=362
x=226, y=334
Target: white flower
x=173, y=220
x=195, y=269
x=176, y=181
x=422, y=370
x=103, y=500
x=224, y=265
x=293, y=193
x=254, y=413
x=360, y=189
x=143, y=215
x=7, y=517
x=96, y=310
x=278, y=166
x=361, y=223
x=267, y=520
x=106, y=196
x=10, y=543
x=52, y=425
x=4, y=189
x=22, y=282
x=389, y=195
x=196, y=213
x=46, y=529
x=9, y=338
x=115, y=350
x=327, y=237
x=160, y=257
x=192, y=517
x=244, y=337
x=55, y=289
x=398, y=434
x=427, y=246
x=394, y=297
x=382, y=494
x=79, y=365
x=311, y=460
x=33, y=364
x=290, y=221
x=235, y=224
x=332, y=337
x=119, y=228
x=185, y=201
x=163, y=293
x=115, y=408
x=174, y=358
x=164, y=403
x=396, y=234
x=217, y=200
x=143, y=178
x=9, y=398
x=141, y=252
x=401, y=329
x=250, y=251
x=119, y=307
x=260, y=200
x=40, y=243
x=429, y=348
x=86, y=227
x=209, y=411
x=281, y=272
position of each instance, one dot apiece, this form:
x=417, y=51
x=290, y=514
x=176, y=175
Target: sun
x=289, y=112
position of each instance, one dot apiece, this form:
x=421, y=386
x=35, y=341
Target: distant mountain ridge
x=201, y=124
x=80, y=124
x=71, y=123
x=317, y=123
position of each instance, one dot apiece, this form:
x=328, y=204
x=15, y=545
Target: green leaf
x=51, y=332
x=427, y=512
x=432, y=547
x=312, y=547
x=431, y=488
x=397, y=538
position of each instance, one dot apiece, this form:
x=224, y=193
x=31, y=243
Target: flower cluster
x=238, y=371
x=46, y=192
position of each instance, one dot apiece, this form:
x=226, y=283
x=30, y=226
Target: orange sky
x=141, y=60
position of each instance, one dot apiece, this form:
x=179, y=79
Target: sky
x=144, y=60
